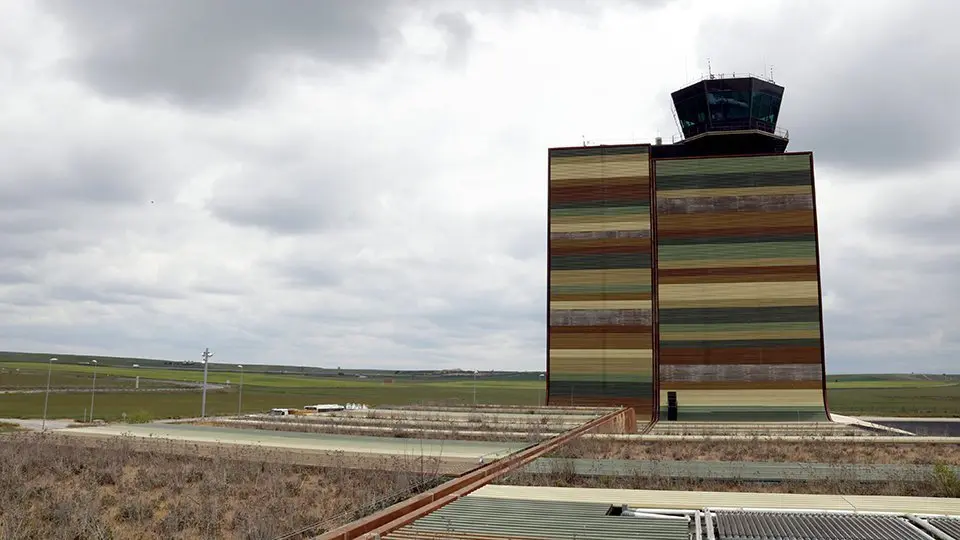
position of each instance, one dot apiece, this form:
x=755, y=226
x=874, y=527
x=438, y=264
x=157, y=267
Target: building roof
x=485, y=518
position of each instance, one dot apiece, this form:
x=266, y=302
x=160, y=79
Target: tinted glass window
x=729, y=105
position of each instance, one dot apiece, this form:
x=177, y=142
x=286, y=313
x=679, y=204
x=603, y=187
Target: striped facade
x=600, y=335
x=714, y=295
x=738, y=291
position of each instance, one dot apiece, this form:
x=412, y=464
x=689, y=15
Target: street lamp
x=93, y=389
x=474, y=388
x=543, y=391
x=46, y=397
x=240, y=396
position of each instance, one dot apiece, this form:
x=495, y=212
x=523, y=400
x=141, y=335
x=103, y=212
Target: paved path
x=306, y=441
x=36, y=423
x=733, y=470
x=930, y=427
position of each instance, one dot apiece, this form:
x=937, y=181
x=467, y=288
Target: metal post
x=46, y=397
x=474, y=388
x=543, y=392
x=240, y=396
x=93, y=389
x=203, y=400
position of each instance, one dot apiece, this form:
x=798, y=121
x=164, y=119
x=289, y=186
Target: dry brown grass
x=812, y=451
x=50, y=488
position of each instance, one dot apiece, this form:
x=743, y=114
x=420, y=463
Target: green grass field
x=881, y=395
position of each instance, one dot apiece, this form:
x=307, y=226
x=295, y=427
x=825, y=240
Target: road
x=732, y=470
x=36, y=423
x=303, y=441
x=926, y=427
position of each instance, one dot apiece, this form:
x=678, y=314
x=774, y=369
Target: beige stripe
x=570, y=171
x=625, y=276
x=737, y=263
x=734, y=397
x=625, y=354
x=601, y=304
x=733, y=192
x=667, y=335
x=595, y=226
x=601, y=218
x=738, y=291
x=742, y=302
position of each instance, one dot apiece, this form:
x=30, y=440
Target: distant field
x=873, y=394
x=904, y=401
x=152, y=405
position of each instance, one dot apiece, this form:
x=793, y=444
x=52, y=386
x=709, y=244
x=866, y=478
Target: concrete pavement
x=303, y=441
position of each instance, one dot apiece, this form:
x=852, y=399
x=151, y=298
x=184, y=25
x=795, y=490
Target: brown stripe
x=755, y=222
x=737, y=355
x=560, y=296
x=742, y=385
x=736, y=231
x=604, y=245
x=738, y=275
x=760, y=270
x=596, y=340
x=601, y=191
x=604, y=329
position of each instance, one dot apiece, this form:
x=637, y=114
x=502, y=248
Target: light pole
x=46, y=397
x=543, y=391
x=474, y=388
x=240, y=396
x=93, y=389
x=203, y=400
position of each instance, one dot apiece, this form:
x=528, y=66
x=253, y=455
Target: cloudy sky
x=363, y=182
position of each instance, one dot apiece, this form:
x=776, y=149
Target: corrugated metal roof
x=948, y=525
x=813, y=526
x=482, y=518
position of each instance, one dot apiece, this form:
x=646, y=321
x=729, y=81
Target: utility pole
x=93, y=389
x=203, y=403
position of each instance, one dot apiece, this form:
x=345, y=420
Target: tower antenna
x=709, y=69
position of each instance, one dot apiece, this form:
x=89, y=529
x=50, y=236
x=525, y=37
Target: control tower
x=683, y=279
x=729, y=116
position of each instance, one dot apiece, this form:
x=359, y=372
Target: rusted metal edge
x=405, y=512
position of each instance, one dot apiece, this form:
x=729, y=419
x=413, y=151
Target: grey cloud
x=205, y=53
x=872, y=96
x=209, y=53
x=459, y=34
x=297, y=199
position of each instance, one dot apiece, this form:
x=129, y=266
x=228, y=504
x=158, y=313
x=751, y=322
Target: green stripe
x=643, y=200
x=739, y=180
x=740, y=327
x=585, y=211
x=602, y=288
x=600, y=150
x=739, y=315
x=760, y=250
x=734, y=165
x=737, y=343
x=601, y=261
x=758, y=239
